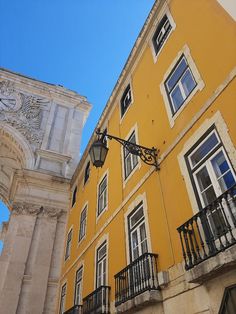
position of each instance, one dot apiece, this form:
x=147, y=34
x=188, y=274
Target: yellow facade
x=206, y=35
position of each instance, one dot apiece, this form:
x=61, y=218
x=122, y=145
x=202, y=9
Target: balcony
x=76, y=309
x=97, y=302
x=134, y=280
x=209, y=233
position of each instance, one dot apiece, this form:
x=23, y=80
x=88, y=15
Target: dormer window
x=126, y=100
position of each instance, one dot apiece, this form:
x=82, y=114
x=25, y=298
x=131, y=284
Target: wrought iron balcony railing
x=136, y=278
x=76, y=309
x=210, y=231
x=97, y=302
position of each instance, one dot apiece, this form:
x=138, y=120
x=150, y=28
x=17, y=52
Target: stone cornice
x=35, y=210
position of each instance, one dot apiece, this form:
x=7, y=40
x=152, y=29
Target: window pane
x=208, y=195
x=204, y=149
x=203, y=179
x=220, y=165
x=136, y=217
x=181, y=67
x=226, y=181
x=188, y=82
x=177, y=98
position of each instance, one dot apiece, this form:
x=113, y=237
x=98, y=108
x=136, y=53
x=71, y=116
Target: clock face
x=10, y=102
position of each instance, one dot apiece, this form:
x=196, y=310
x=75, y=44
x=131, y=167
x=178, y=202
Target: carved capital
x=25, y=209
x=34, y=210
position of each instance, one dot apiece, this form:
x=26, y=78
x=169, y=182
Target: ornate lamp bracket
x=147, y=155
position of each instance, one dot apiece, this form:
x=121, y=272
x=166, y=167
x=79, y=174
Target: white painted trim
x=222, y=129
x=68, y=258
x=200, y=84
x=122, y=90
x=83, y=207
x=64, y=282
x=104, y=238
x=106, y=173
x=140, y=198
x=80, y=264
x=164, y=11
x=125, y=180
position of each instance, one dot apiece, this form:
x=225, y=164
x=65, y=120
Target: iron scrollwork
x=147, y=155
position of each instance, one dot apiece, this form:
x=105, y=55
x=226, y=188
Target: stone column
x=14, y=256
x=31, y=260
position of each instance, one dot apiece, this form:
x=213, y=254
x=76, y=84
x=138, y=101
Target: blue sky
x=80, y=44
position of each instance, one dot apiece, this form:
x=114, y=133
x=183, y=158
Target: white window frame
x=229, y=147
x=80, y=282
x=140, y=198
x=125, y=85
x=155, y=27
x=199, y=84
x=208, y=165
x=98, y=195
x=62, y=297
x=68, y=244
x=101, y=262
x=138, y=165
x=83, y=223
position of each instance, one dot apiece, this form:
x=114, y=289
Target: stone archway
x=40, y=124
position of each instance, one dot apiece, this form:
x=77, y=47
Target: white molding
x=164, y=11
x=104, y=238
x=83, y=207
x=121, y=92
x=140, y=198
x=222, y=129
x=125, y=180
x=106, y=173
x=200, y=84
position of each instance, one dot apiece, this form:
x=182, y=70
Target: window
x=179, y=84
x=63, y=299
x=102, y=195
x=78, y=286
x=101, y=265
x=74, y=196
x=126, y=100
x=137, y=232
x=210, y=168
x=130, y=160
x=161, y=33
x=87, y=172
x=68, y=244
x=228, y=304
x=83, y=217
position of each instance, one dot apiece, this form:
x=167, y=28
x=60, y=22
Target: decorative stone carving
x=25, y=209
x=24, y=112
x=33, y=209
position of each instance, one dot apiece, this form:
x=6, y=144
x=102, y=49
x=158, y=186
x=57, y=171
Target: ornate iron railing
x=210, y=231
x=97, y=302
x=136, y=278
x=76, y=309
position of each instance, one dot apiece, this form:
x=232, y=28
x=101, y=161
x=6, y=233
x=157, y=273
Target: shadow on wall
x=4, y=216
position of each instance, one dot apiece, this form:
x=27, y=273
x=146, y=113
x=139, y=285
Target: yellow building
x=176, y=93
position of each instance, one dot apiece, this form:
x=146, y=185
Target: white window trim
x=104, y=238
x=199, y=84
x=166, y=12
x=125, y=180
x=69, y=230
x=85, y=205
x=106, y=173
x=140, y=198
x=81, y=264
x=127, y=82
x=222, y=129
x=63, y=283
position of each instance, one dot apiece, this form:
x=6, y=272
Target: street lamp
x=98, y=150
